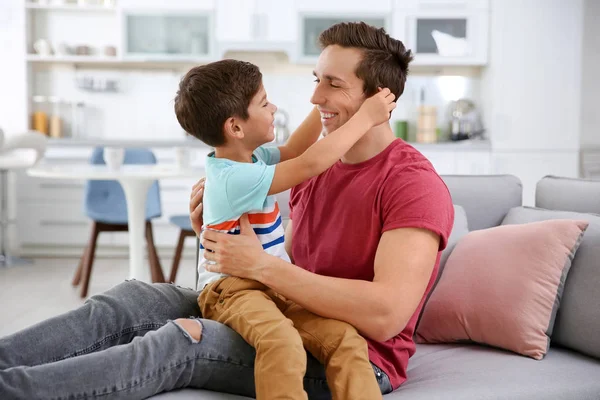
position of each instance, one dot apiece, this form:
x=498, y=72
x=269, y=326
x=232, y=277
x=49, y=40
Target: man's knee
x=192, y=327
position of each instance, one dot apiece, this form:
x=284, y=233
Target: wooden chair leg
x=155, y=267
x=89, y=259
x=78, y=271
x=177, y=256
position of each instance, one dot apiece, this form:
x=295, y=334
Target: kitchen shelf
x=70, y=7
x=142, y=62
x=73, y=59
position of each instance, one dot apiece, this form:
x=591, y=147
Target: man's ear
x=233, y=129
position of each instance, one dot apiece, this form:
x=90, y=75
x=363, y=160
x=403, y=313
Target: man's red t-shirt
x=340, y=215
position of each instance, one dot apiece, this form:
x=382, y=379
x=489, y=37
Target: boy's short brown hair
x=385, y=59
x=210, y=94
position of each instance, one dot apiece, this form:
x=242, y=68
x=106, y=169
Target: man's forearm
x=360, y=303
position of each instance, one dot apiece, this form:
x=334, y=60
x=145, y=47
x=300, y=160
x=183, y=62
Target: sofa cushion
x=499, y=193
x=501, y=287
x=467, y=372
x=457, y=372
x=577, y=323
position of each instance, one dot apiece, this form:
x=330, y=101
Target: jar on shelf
x=56, y=121
x=40, y=115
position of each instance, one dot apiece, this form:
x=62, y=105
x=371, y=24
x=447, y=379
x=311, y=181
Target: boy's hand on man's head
x=196, y=206
x=377, y=108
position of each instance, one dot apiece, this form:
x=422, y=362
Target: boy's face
x=338, y=92
x=258, y=128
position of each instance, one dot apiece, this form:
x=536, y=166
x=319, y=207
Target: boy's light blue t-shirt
x=233, y=188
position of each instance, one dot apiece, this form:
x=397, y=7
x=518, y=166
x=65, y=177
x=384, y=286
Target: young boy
x=225, y=105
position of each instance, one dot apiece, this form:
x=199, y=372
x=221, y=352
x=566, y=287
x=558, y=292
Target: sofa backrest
x=486, y=199
x=568, y=194
x=578, y=320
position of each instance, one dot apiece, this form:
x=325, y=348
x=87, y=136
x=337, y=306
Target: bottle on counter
x=56, y=123
x=427, y=121
x=40, y=115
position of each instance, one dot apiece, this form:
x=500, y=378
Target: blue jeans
x=122, y=344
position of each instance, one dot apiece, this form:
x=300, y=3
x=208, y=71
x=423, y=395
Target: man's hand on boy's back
x=377, y=108
x=196, y=206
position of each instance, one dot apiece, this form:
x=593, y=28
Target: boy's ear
x=232, y=129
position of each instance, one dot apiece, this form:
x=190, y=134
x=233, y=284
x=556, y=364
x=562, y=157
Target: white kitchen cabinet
x=472, y=163
x=332, y=7
x=457, y=162
x=261, y=25
x=311, y=24
x=443, y=161
x=153, y=34
x=205, y=5
x=441, y=32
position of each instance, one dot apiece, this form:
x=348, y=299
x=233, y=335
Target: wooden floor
x=31, y=293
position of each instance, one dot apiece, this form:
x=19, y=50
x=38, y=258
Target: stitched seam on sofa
x=95, y=346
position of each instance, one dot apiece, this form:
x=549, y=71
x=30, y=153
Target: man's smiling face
x=338, y=92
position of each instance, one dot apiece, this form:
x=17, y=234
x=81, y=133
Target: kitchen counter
x=157, y=143
x=464, y=145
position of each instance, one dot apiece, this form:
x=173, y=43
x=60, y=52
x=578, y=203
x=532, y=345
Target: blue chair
x=185, y=226
x=105, y=204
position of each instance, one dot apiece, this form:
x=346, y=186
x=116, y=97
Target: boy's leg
x=342, y=351
x=115, y=317
x=244, y=306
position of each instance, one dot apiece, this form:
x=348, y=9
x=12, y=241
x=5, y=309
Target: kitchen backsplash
x=140, y=104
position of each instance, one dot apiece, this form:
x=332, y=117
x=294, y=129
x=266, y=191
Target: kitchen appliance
x=281, y=131
x=465, y=120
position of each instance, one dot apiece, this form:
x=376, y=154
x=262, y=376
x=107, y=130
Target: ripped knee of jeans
x=190, y=327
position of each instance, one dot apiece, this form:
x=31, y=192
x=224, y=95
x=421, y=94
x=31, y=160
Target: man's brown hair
x=385, y=59
x=210, y=94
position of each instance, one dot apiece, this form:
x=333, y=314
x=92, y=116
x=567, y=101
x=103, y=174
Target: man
x=368, y=232
x=366, y=237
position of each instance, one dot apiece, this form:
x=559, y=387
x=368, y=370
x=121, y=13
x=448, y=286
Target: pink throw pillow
x=502, y=287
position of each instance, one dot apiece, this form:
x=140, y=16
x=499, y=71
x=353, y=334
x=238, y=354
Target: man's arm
x=303, y=137
x=324, y=153
x=404, y=261
x=380, y=309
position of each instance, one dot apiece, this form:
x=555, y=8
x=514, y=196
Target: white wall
x=13, y=68
x=532, y=84
x=590, y=80
x=532, y=89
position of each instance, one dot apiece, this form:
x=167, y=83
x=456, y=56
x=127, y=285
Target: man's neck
x=234, y=153
x=371, y=144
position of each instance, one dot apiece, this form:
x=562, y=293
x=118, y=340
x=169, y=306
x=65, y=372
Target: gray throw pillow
x=577, y=324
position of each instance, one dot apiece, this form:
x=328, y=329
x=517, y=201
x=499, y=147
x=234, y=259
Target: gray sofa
x=571, y=369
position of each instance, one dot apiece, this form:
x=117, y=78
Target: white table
x=135, y=180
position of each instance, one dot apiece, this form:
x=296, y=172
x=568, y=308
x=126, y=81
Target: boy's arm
x=307, y=133
x=324, y=153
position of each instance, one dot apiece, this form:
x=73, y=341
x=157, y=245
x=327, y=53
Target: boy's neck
x=233, y=154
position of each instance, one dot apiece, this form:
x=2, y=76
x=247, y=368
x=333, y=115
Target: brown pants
x=280, y=330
